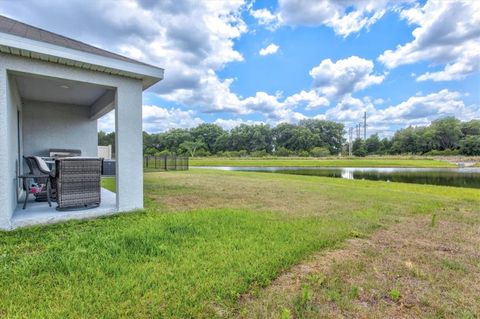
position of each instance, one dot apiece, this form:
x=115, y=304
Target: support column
x=129, y=141
x=6, y=207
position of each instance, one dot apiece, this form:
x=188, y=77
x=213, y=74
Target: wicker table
x=78, y=182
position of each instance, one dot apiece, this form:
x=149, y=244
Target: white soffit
x=33, y=49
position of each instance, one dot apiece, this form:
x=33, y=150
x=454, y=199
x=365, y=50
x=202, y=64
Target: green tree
x=208, y=134
x=223, y=143
x=358, y=148
x=191, y=147
x=471, y=128
x=172, y=139
x=404, y=141
x=251, y=138
x=106, y=139
x=425, y=140
x=328, y=134
x=385, y=146
x=447, y=133
x=373, y=144
x=470, y=146
x=281, y=135
x=302, y=139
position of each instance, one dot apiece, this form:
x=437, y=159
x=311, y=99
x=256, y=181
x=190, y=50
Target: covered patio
x=52, y=92
x=40, y=213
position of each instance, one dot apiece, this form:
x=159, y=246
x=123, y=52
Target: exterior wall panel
x=52, y=125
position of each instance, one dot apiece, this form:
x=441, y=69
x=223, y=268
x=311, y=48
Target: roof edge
x=148, y=73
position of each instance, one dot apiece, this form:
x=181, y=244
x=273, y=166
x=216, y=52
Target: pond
x=458, y=177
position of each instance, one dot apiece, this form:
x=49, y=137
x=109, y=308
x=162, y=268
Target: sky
x=240, y=61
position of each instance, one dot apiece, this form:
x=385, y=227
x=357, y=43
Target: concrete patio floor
x=40, y=213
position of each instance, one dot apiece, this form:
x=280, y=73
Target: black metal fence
x=166, y=162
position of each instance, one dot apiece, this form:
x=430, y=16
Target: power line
x=364, y=126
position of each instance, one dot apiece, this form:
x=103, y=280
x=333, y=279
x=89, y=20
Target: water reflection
x=459, y=177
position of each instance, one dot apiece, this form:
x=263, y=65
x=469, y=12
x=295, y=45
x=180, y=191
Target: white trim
x=58, y=54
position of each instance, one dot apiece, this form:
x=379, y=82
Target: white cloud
x=331, y=81
x=310, y=98
x=192, y=40
x=350, y=110
x=270, y=49
x=265, y=17
x=422, y=109
x=228, y=124
x=343, y=77
x=344, y=17
x=155, y=119
x=284, y=116
x=416, y=110
x=107, y=122
x=448, y=34
x=158, y=119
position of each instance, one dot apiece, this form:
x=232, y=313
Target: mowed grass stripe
x=315, y=162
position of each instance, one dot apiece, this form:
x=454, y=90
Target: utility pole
x=350, y=135
x=364, y=126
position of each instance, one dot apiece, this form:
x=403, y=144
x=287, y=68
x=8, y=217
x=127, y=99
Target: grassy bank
x=311, y=162
x=205, y=239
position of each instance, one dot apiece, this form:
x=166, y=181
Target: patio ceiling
x=58, y=90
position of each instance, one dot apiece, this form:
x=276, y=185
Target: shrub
x=448, y=152
x=359, y=148
x=150, y=151
x=261, y=153
x=202, y=153
x=470, y=145
x=242, y=153
x=303, y=153
x=320, y=152
x=163, y=153
x=282, y=151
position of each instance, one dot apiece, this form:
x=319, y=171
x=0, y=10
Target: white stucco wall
x=5, y=201
x=49, y=125
x=8, y=148
x=128, y=107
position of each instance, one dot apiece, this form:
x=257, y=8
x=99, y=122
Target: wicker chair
x=41, y=174
x=77, y=182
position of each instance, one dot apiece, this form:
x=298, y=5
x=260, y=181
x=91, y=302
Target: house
x=53, y=90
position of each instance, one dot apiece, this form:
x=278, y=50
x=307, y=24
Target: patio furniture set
x=71, y=182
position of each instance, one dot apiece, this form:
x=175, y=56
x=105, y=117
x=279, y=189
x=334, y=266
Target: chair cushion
x=42, y=165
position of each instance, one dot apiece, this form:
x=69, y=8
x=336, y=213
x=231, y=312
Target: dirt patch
x=410, y=270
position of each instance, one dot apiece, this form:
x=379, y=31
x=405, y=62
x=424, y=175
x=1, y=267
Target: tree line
x=447, y=136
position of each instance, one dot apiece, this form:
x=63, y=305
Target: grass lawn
x=353, y=162
x=214, y=244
